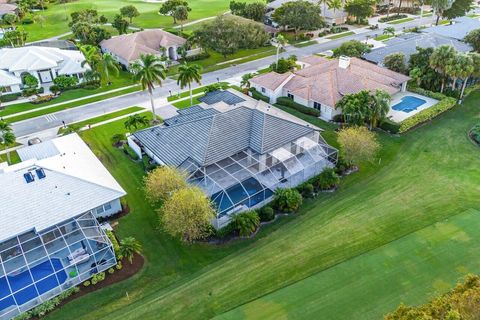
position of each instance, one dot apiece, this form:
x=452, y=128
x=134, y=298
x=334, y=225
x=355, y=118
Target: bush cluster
x=259, y=96
x=287, y=200
x=43, y=99
x=246, y=223
x=427, y=114
x=99, y=277
x=47, y=306
x=393, y=17
x=389, y=126
x=115, y=244
x=9, y=97
x=27, y=92
x=475, y=133
x=201, y=56
x=266, y=214
x=287, y=102
x=129, y=151
x=427, y=93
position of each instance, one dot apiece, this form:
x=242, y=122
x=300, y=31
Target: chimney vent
x=344, y=62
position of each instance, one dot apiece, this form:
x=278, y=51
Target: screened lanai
x=248, y=179
x=34, y=267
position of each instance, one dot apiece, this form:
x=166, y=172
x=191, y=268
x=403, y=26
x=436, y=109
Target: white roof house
x=74, y=181
x=42, y=62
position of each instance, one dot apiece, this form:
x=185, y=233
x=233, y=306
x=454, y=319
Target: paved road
x=29, y=128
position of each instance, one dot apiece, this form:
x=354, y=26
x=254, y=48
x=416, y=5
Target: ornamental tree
x=358, y=144
x=162, y=182
x=169, y=7
x=360, y=9
x=351, y=48
x=473, y=38
x=395, y=62
x=187, y=214
x=129, y=12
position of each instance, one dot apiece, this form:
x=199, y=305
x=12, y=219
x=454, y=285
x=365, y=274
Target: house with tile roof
x=50, y=239
x=237, y=153
x=127, y=48
x=43, y=63
x=324, y=82
x=7, y=8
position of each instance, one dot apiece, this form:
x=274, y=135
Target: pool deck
x=399, y=116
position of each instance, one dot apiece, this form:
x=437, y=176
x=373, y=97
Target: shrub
x=64, y=82
x=43, y=99
x=389, y=126
x=226, y=231
x=86, y=283
x=117, y=139
x=427, y=114
x=475, y=133
x=287, y=102
x=392, y=17
x=27, y=92
x=287, y=200
x=129, y=151
x=147, y=163
x=257, y=95
x=55, y=89
x=338, y=118
x=246, y=222
x=307, y=190
x=327, y=179
x=27, y=21
x=266, y=214
x=200, y=56
x=119, y=265
x=427, y=93
x=111, y=271
x=115, y=244
x=9, y=97
x=342, y=166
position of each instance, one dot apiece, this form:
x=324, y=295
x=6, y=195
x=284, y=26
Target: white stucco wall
x=103, y=211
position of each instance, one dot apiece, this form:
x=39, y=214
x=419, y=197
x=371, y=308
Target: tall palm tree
x=92, y=56
x=467, y=69
x=188, y=73
x=379, y=107
x=148, y=71
x=129, y=247
x=108, y=64
x=246, y=80
x=324, y=2
x=335, y=5
x=475, y=72
x=7, y=138
x=440, y=59
x=135, y=121
x=281, y=42
x=454, y=69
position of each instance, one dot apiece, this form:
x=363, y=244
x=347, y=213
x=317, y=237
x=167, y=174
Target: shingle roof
x=211, y=139
x=458, y=30
x=75, y=182
x=326, y=82
x=271, y=80
x=408, y=43
x=131, y=46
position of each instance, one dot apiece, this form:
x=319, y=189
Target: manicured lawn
x=418, y=266
x=105, y=117
x=305, y=44
x=14, y=158
x=420, y=178
x=383, y=37
x=186, y=103
x=57, y=24
x=341, y=35
x=400, y=21
x=124, y=79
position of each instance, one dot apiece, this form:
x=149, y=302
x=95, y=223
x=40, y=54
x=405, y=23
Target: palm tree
x=7, y=138
x=92, y=56
x=335, y=5
x=129, y=247
x=135, y=121
x=475, y=72
x=389, y=30
x=324, y=2
x=379, y=107
x=188, y=74
x=281, y=42
x=467, y=69
x=454, y=69
x=148, y=71
x=108, y=64
x=246, y=80
x=441, y=58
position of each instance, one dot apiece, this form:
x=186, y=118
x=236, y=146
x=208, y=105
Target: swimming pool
x=48, y=274
x=408, y=104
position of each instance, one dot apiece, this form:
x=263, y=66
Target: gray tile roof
x=219, y=95
x=458, y=30
x=409, y=42
x=190, y=116
x=191, y=109
x=211, y=139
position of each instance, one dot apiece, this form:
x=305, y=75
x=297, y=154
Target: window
x=317, y=105
x=290, y=96
x=107, y=206
x=263, y=90
x=99, y=210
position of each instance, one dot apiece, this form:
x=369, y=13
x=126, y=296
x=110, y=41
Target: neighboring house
x=50, y=239
x=7, y=8
x=459, y=28
x=43, y=63
x=127, y=48
x=331, y=17
x=238, y=150
x=324, y=82
x=408, y=43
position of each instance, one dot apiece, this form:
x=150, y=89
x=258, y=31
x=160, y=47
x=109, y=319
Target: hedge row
x=427, y=114
x=9, y=97
x=257, y=95
x=427, y=93
x=389, y=126
x=287, y=102
x=392, y=18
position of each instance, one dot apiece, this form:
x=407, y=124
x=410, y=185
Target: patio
x=398, y=100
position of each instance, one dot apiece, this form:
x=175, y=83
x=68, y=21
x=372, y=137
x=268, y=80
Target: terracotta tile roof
x=311, y=60
x=326, y=82
x=271, y=80
x=7, y=8
x=131, y=46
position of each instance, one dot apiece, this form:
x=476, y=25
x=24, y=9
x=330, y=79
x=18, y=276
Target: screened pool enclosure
x=248, y=178
x=35, y=267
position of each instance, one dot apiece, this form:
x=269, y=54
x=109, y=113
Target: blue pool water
x=408, y=104
x=22, y=283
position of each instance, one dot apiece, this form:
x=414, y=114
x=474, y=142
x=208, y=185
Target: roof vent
x=28, y=176
x=40, y=173
x=344, y=62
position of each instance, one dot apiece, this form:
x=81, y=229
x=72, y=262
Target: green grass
x=384, y=37
x=420, y=178
x=473, y=15
x=14, y=158
x=418, y=265
x=105, y=117
x=340, y=35
x=428, y=14
x=401, y=21
x=56, y=22
x=186, y=103
x=66, y=106
x=305, y=44
x=443, y=22
x=124, y=79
